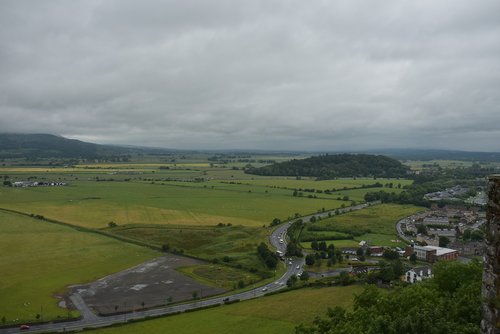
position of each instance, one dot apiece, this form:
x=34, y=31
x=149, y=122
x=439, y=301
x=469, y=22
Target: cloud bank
x=294, y=75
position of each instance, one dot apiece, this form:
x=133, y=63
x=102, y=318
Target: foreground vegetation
x=450, y=303
x=278, y=314
x=40, y=259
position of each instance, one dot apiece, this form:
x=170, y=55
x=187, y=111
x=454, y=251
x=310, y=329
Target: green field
x=219, y=275
x=311, y=183
x=95, y=204
x=375, y=224
x=40, y=259
x=237, y=243
x=143, y=193
x=273, y=314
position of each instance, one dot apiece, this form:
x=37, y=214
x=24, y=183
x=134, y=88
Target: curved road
x=90, y=320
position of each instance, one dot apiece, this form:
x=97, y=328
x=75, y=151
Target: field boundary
x=87, y=230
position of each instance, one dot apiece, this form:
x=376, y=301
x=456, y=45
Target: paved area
x=151, y=283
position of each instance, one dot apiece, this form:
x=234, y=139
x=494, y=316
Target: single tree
x=413, y=258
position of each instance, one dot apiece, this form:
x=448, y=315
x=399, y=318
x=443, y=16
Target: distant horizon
x=257, y=150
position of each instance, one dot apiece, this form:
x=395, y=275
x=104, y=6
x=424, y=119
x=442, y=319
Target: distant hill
x=337, y=165
x=32, y=146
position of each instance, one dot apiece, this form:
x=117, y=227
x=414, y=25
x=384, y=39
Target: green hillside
x=338, y=165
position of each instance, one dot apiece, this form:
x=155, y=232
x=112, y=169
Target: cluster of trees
x=475, y=235
x=275, y=222
x=266, y=255
x=293, y=249
x=449, y=303
x=338, y=165
x=322, y=251
x=404, y=197
x=389, y=271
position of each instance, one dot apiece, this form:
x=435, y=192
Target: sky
x=277, y=75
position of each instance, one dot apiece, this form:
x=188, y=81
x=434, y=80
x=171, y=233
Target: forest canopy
x=338, y=165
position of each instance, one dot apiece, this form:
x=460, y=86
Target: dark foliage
x=450, y=303
x=269, y=258
x=332, y=166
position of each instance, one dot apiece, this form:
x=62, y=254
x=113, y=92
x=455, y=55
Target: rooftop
x=439, y=250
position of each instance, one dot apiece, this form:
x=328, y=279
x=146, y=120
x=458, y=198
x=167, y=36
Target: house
x=436, y=220
x=418, y=274
x=443, y=232
x=376, y=251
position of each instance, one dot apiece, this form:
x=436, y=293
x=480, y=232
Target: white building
x=418, y=274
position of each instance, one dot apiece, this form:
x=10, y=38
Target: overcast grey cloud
x=296, y=75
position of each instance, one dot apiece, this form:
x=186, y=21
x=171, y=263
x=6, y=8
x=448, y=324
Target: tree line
x=338, y=165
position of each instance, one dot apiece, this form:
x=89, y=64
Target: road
x=400, y=230
x=294, y=266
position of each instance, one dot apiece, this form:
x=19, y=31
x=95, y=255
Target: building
x=443, y=232
x=418, y=274
x=433, y=220
x=432, y=254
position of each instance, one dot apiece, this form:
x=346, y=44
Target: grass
x=273, y=314
x=307, y=235
x=377, y=218
x=376, y=223
x=94, y=204
x=238, y=243
x=219, y=275
x=311, y=183
x=40, y=259
x=347, y=243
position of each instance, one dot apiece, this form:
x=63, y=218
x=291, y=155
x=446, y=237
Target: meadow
x=220, y=276
x=311, y=183
x=235, y=245
x=40, y=259
x=375, y=224
x=272, y=314
x=95, y=204
x=144, y=194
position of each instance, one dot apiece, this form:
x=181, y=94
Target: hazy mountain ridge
x=15, y=145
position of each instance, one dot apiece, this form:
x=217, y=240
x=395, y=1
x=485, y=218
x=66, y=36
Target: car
x=290, y=262
x=264, y=289
x=298, y=267
x=24, y=327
